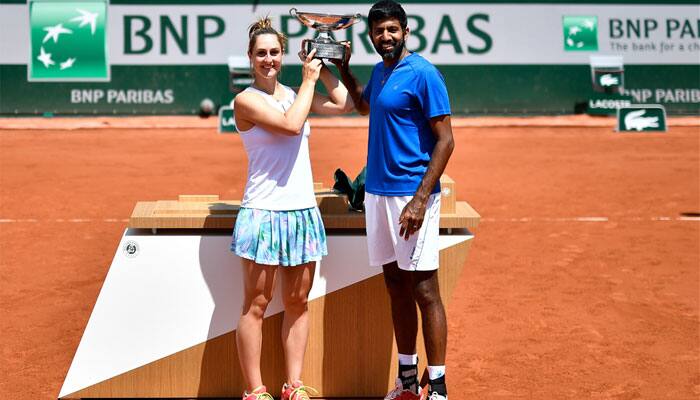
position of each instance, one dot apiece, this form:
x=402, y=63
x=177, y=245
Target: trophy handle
x=306, y=45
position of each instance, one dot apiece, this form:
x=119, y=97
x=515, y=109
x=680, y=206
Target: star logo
x=86, y=18
x=68, y=63
x=580, y=33
x=45, y=58
x=574, y=30
x=69, y=41
x=54, y=31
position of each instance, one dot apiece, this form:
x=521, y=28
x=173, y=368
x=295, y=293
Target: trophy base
x=330, y=51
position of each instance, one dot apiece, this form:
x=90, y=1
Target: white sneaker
x=436, y=396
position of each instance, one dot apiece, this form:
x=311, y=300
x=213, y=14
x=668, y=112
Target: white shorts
x=420, y=252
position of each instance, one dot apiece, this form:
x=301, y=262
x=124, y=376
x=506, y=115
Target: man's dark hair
x=384, y=9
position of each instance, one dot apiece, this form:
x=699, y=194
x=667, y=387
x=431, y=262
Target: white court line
x=73, y=220
x=587, y=219
x=545, y=219
x=580, y=219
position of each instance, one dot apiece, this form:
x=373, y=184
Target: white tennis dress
x=279, y=168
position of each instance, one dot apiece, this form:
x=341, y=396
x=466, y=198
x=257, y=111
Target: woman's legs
x=259, y=283
x=296, y=285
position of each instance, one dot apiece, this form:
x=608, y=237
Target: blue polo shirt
x=402, y=100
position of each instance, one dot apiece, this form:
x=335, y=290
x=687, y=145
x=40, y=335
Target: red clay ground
x=582, y=282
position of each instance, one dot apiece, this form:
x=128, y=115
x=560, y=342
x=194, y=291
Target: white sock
x=408, y=359
x=436, y=371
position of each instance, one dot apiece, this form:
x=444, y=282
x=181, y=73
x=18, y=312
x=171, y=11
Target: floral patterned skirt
x=284, y=238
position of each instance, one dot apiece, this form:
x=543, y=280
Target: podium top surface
x=207, y=212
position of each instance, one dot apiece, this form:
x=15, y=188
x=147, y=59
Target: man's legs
x=403, y=307
x=405, y=319
x=410, y=280
x=426, y=292
x=406, y=289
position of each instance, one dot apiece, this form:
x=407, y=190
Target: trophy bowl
x=325, y=46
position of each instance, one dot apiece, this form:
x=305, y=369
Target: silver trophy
x=325, y=46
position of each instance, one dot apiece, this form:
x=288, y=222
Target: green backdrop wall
x=491, y=65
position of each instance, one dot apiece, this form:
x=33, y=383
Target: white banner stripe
x=459, y=34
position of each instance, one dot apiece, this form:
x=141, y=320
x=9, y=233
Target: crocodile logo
x=608, y=80
x=636, y=120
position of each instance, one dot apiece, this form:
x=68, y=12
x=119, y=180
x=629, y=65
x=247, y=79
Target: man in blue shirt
x=410, y=142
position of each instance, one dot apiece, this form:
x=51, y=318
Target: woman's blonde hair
x=261, y=27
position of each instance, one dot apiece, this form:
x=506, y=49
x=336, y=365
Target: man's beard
x=394, y=54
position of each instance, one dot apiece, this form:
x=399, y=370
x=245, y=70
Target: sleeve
x=432, y=93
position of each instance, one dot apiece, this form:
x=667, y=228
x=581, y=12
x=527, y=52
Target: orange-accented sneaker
x=297, y=391
x=423, y=393
x=399, y=393
x=259, y=393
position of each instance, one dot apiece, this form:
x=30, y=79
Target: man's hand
x=411, y=218
x=350, y=82
x=442, y=129
x=346, y=60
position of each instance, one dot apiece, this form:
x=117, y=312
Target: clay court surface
x=582, y=282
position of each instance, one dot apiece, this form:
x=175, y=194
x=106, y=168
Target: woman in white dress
x=278, y=229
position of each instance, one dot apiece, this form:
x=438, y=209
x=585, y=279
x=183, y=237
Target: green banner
x=473, y=90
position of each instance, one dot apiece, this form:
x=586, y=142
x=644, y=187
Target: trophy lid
x=325, y=22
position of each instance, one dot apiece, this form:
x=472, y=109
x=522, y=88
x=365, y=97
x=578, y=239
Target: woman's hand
x=311, y=68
